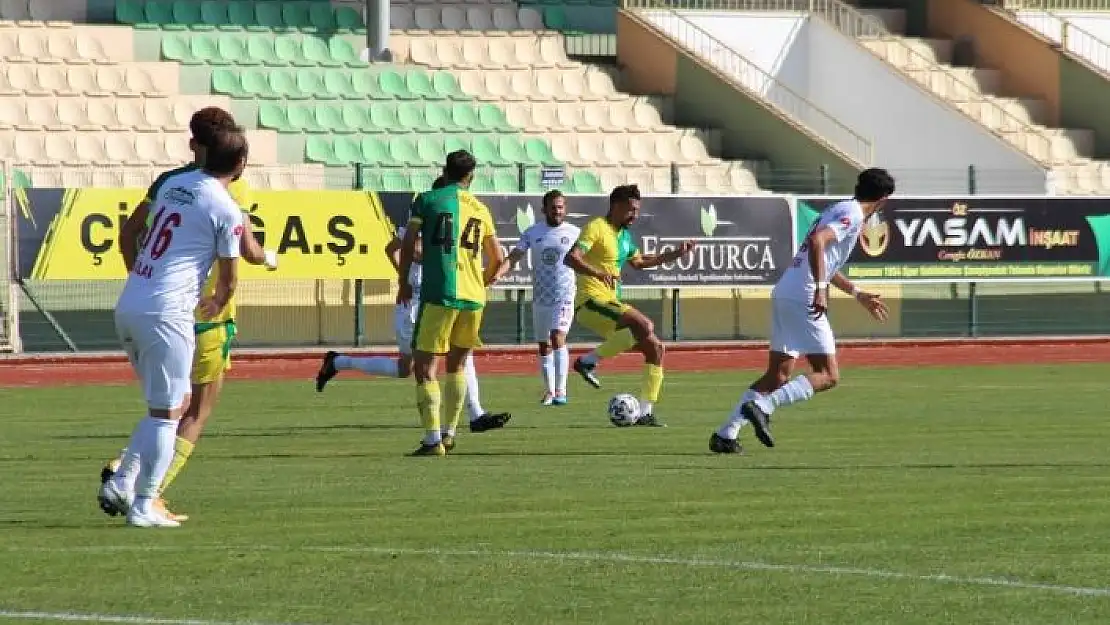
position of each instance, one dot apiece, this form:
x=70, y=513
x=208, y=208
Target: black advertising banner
x=741, y=241
x=979, y=238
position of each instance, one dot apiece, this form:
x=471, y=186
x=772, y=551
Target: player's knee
x=545, y=349
x=558, y=340
x=404, y=367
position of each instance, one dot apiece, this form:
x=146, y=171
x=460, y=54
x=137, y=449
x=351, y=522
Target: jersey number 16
x=444, y=233
x=160, y=233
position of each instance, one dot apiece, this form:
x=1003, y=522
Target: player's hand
x=209, y=307
x=609, y=280
x=270, y=259
x=404, y=294
x=685, y=248
x=820, y=304
x=874, y=304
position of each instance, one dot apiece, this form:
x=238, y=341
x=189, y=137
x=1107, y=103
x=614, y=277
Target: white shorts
x=795, y=332
x=161, y=352
x=546, y=319
x=404, y=320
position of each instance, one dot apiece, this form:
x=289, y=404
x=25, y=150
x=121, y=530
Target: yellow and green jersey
x=453, y=225
x=608, y=248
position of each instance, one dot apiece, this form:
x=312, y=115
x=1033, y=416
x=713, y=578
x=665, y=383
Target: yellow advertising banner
x=317, y=234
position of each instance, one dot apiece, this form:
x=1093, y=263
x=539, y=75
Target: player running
x=404, y=320
x=552, y=292
x=799, y=307
x=456, y=229
x=195, y=224
x=603, y=248
x=212, y=357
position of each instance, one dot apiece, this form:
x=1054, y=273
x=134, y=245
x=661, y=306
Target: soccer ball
x=624, y=410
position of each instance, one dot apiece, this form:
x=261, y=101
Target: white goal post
x=9, y=288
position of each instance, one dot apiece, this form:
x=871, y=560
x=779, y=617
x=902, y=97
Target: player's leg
x=602, y=318
x=480, y=420
x=562, y=317
x=431, y=337
x=541, y=319
x=404, y=319
x=780, y=365
x=454, y=392
x=647, y=343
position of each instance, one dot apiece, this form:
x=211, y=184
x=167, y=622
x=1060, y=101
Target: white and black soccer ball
x=624, y=410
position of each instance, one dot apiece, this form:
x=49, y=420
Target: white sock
x=646, y=407
x=796, y=390
x=156, y=440
x=736, y=420
x=433, y=438
x=128, y=472
x=591, y=358
x=562, y=368
x=374, y=365
x=547, y=365
x=473, y=397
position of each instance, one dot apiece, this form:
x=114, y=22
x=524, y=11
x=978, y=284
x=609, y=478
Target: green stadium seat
x=454, y=143
x=331, y=118
x=465, y=116
x=532, y=182
x=188, y=15
x=283, y=82
x=176, y=48
x=555, y=18
x=356, y=116
x=411, y=116
x=403, y=151
x=216, y=14
x=321, y=17
x=348, y=150
x=234, y=50
x=430, y=148
x=294, y=15
x=320, y=150
x=316, y=52
x=303, y=117
x=486, y=151
x=256, y=84
x=505, y=181
x=261, y=49
x=130, y=12
x=312, y=84
x=288, y=51
x=375, y=151
x=397, y=180
x=160, y=12
x=510, y=150
x=227, y=82
x=340, y=84
x=343, y=52
x=420, y=84
x=240, y=15
x=275, y=117
x=447, y=86
x=585, y=182
x=493, y=118
x=393, y=85
x=439, y=118
x=482, y=183
x=540, y=152
x=267, y=16
x=204, y=49
x=368, y=85
x=348, y=20
x=383, y=118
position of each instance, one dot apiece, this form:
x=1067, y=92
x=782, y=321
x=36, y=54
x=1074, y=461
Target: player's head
x=203, y=125
x=459, y=168
x=624, y=205
x=554, y=207
x=226, y=154
x=873, y=187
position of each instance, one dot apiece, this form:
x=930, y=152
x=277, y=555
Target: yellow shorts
x=600, y=317
x=439, y=328
x=213, y=352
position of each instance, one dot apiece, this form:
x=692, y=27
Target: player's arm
x=496, y=265
x=406, y=256
x=515, y=255
x=251, y=250
x=871, y=301
x=229, y=234
x=647, y=261
x=393, y=253
x=576, y=257
x=131, y=232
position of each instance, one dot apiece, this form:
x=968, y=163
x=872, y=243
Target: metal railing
x=1071, y=37
x=921, y=70
x=752, y=79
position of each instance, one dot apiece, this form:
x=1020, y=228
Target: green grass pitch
x=959, y=495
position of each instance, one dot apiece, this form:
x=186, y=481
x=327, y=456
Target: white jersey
x=552, y=280
x=193, y=221
x=846, y=220
x=416, y=271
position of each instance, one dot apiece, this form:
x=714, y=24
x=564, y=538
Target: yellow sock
x=651, y=385
x=454, y=393
x=619, y=342
x=427, y=401
x=182, y=449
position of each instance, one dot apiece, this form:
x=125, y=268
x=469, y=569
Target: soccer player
x=800, y=324
x=602, y=249
x=404, y=320
x=552, y=292
x=212, y=357
x=456, y=230
x=195, y=224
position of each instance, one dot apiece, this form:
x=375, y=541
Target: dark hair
x=459, y=165
x=624, y=193
x=205, y=123
x=551, y=196
x=873, y=185
x=228, y=148
x=439, y=183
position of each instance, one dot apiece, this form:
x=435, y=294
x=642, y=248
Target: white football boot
x=156, y=516
x=113, y=499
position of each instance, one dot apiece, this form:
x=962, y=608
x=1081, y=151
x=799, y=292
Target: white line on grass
x=614, y=557
x=80, y=617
